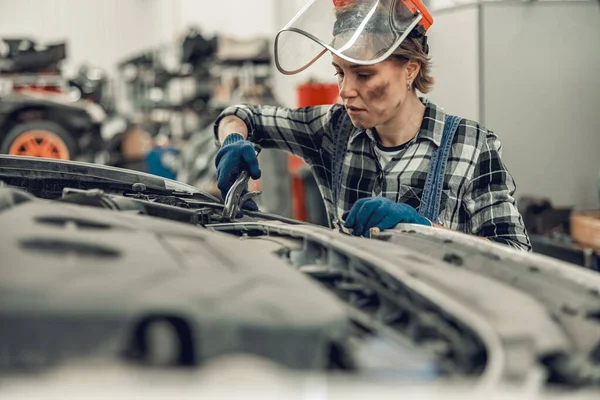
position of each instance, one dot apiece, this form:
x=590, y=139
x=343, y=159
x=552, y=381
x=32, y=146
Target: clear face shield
x=363, y=32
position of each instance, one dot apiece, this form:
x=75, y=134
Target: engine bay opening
x=384, y=312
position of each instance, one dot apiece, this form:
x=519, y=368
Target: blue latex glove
x=382, y=213
x=236, y=154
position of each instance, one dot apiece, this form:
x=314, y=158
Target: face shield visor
x=363, y=32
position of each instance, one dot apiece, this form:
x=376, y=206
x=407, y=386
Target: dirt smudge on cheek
x=378, y=92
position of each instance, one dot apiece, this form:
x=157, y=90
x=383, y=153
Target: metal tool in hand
x=234, y=200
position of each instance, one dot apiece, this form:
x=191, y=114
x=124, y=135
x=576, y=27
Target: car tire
x=44, y=139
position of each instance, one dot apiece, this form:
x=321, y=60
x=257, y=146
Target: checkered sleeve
x=489, y=199
x=300, y=131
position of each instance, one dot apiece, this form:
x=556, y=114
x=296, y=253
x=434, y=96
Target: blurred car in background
x=43, y=114
x=50, y=125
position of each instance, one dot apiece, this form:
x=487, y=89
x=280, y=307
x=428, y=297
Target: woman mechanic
x=386, y=156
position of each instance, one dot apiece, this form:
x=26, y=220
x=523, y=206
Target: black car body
x=107, y=265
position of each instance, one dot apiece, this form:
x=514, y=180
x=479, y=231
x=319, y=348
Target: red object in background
x=308, y=94
x=341, y=3
x=40, y=89
x=316, y=94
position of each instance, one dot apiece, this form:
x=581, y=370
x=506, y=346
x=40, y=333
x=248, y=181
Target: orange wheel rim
x=39, y=143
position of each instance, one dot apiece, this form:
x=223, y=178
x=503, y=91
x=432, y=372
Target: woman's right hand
x=236, y=155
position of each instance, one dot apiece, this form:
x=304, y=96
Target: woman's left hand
x=382, y=213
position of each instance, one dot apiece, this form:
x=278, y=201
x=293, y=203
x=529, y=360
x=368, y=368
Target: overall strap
x=342, y=129
x=432, y=193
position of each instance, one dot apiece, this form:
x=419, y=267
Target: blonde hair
x=412, y=49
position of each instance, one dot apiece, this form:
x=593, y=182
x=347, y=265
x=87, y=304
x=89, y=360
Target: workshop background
x=152, y=76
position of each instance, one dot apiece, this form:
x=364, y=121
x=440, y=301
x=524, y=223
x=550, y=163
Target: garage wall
x=454, y=49
x=98, y=31
x=235, y=18
x=534, y=83
x=102, y=32
x=238, y=18
x=542, y=95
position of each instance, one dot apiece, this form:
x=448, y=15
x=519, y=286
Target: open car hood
x=89, y=176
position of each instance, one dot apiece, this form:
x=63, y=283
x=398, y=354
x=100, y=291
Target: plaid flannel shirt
x=478, y=191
